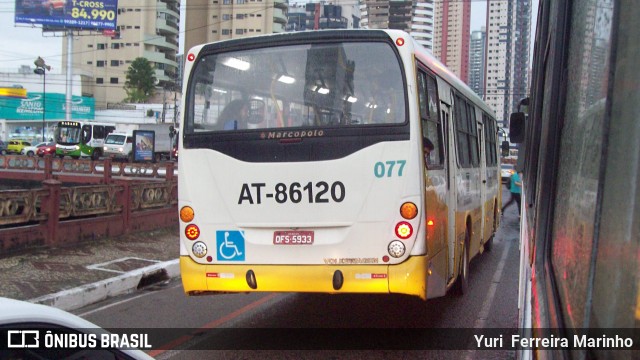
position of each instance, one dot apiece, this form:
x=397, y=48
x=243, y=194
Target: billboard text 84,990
x=68, y=14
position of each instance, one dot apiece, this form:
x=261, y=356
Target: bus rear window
x=318, y=85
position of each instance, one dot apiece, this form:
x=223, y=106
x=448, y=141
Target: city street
x=490, y=303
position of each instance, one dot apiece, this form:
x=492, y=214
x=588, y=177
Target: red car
x=54, y=6
x=47, y=149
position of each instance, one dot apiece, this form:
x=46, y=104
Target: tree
x=141, y=81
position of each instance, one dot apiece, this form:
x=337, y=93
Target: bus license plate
x=293, y=237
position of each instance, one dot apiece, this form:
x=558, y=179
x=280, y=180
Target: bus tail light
x=409, y=210
x=404, y=230
x=192, y=232
x=186, y=214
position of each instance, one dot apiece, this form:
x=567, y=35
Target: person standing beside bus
x=516, y=191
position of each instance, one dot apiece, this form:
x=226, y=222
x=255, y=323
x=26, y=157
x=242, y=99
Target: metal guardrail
x=41, y=168
x=123, y=199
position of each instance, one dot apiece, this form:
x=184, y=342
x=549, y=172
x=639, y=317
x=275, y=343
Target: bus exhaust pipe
x=251, y=279
x=338, y=280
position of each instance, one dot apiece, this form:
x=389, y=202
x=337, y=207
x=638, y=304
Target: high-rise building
x=296, y=17
x=422, y=23
x=146, y=28
x=339, y=14
x=212, y=20
x=452, y=34
x=507, y=69
x=413, y=16
x=476, y=61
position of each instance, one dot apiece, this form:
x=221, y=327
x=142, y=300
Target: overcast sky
x=21, y=45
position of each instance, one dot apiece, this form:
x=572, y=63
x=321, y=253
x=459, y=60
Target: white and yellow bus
x=324, y=185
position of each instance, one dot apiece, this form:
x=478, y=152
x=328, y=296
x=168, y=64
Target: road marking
x=213, y=324
x=123, y=301
x=483, y=315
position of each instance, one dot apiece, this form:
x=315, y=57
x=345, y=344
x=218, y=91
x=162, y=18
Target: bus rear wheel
x=462, y=283
x=489, y=244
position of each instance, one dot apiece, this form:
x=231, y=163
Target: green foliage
x=141, y=81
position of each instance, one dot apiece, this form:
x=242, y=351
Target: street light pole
x=41, y=69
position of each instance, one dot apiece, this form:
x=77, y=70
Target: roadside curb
x=84, y=295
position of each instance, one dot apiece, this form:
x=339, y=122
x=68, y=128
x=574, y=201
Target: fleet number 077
x=319, y=192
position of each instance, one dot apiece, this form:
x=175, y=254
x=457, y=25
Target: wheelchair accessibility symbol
x=230, y=245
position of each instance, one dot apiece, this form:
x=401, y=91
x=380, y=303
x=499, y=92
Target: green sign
x=30, y=108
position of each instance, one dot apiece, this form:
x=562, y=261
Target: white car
x=26, y=325
x=506, y=170
x=33, y=149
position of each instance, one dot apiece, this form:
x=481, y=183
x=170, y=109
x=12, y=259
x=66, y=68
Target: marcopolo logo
x=23, y=339
x=291, y=134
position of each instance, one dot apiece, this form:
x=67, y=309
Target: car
x=174, y=153
x=16, y=146
x=54, y=6
x=33, y=149
x=26, y=325
x=3, y=147
x=506, y=170
x=47, y=150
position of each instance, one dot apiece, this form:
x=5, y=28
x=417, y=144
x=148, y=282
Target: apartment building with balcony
x=391, y=14
x=452, y=35
x=507, y=57
x=422, y=23
x=145, y=28
x=297, y=17
x=476, y=60
x=213, y=20
x=340, y=14
x=413, y=16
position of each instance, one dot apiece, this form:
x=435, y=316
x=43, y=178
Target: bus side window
x=435, y=128
x=86, y=134
x=98, y=132
x=431, y=125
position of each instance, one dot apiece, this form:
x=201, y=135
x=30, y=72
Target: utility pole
x=69, y=78
x=41, y=69
x=164, y=103
x=175, y=107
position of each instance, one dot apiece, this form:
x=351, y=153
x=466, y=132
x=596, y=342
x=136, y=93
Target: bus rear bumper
x=408, y=278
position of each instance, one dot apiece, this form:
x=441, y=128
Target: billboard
x=31, y=106
x=144, y=142
x=68, y=14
